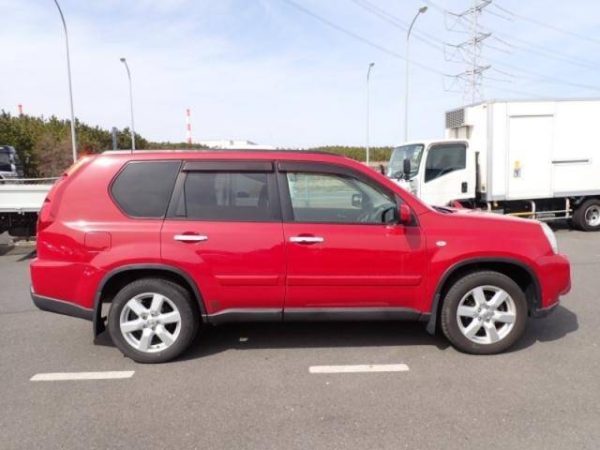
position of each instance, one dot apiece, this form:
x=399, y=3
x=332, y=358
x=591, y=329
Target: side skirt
x=351, y=314
x=314, y=314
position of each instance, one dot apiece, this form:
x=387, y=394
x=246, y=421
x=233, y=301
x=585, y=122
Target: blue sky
x=265, y=71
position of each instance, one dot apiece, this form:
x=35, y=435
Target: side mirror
x=404, y=215
x=406, y=168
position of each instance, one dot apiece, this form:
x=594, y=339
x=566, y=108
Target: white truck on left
x=20, y=198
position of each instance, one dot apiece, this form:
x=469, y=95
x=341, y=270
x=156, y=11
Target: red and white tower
x=188, y=125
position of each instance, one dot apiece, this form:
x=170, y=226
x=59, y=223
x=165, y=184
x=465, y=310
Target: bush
x=377, y=154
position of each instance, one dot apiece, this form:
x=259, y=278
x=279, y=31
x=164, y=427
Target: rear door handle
x=190, y=238
x=306, y=239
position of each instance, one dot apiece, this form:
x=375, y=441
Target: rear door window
x=229, y=196
x=143, y=188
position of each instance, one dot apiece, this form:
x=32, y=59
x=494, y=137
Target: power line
x=360, y=38
x=540, y=51
x=396, y=22
x=549, y=26
x=528, y=46
x=532, y=75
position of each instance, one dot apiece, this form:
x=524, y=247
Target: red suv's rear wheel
x=484, y=312
x=152, y=320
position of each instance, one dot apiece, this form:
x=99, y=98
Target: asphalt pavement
x=249, y=386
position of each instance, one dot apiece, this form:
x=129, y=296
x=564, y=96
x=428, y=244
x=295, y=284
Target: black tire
x=449, y=320
x=581, y=215
x=178, y=296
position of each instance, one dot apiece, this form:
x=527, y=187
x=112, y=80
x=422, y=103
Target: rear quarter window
x=142, y=189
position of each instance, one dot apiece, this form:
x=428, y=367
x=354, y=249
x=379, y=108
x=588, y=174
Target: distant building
x=231, y=144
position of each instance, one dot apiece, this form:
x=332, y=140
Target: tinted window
x=143, y=189
x=336, y=199
x=444, y=159
x=233, y=196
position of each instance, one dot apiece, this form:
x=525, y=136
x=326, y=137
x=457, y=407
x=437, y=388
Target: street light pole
x=421, y=10
x=73, y=137
x=368, y=108
x=124, y=61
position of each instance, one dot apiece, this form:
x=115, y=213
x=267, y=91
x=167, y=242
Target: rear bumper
x=61, y=307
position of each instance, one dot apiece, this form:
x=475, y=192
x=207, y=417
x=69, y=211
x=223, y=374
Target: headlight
x=550, y=236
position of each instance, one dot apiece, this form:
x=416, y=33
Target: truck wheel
x=484, y=313
x=587, y=216
x=152, y=320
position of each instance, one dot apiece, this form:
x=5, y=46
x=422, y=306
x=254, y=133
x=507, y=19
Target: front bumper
x=540, y=313
x=554, y=275
x=61, y=307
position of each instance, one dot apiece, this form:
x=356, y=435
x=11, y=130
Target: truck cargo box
x=532, y=149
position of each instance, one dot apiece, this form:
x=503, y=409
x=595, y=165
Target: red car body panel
x=240, y=266
x=356, y=265
x=83, y=236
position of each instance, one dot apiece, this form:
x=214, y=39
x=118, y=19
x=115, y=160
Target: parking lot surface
x=265, y=386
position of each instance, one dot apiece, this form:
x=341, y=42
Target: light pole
x=368, y=107
x=124, y=61
x=421, y=10
x=73, y=137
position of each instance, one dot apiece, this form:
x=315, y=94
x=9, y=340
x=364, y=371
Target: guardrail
x=12, y=181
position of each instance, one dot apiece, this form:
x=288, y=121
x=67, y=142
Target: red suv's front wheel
x=484, y=312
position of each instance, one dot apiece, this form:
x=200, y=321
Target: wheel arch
x=117, y=278
x=516, y=270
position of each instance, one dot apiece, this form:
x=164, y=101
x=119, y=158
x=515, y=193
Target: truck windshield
x=411, y=152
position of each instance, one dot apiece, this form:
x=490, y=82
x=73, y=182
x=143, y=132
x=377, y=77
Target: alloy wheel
x=486, y=314
x=150, y=322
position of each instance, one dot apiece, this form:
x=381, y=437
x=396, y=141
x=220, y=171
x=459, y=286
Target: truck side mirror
x=406, y=168
x=404, y=214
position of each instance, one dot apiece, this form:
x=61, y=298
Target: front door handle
x=190, y=237
x=306, y=239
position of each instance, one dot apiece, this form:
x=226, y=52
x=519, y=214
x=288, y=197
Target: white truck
x=535, y=159
x=20, y=202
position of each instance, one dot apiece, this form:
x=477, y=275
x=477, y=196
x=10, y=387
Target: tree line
x=44, y=144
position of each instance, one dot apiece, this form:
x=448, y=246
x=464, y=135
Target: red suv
x=155, y=244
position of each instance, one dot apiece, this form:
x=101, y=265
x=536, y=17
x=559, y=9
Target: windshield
x=412, y=152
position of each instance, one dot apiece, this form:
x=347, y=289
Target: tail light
x=49, y=209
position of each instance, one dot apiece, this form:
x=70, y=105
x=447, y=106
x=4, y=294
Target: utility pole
x=124, y=61
x=73, y=137
x=114, y=138
x=188, y=126
x=422, y=10
x=368, y=109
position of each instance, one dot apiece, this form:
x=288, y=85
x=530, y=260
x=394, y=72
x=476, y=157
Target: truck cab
x=436, y=171
x=10, y=164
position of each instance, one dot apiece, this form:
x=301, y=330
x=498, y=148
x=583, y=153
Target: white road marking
x=70, y=376
x=360, y=368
